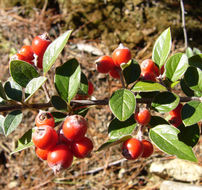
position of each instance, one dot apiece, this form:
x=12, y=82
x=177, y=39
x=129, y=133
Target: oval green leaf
x=53, y=50
x=22, y=72
x=176, y=66
x=189, y=52
x=187, y=91
x=24, y=142
x=119, y=129
x=165, y=137
x=83, y=87
x=12, y=120
x=122, y=104
x=58, y=103
x=67, y=79
x=191, y=113
x=142, y=86
x=189, y=134
x=165, y=102
x=157, y=120
x=33, y=86
x=196, y=61
x=162, y=48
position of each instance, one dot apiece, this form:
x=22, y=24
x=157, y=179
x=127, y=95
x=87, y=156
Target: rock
x=177, y=169
x=170, y=185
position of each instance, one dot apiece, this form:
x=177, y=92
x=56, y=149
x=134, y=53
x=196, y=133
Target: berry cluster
x=150, y=71
x=34, y=54
x=111, y=65
x=175, y=114
x=58, y=148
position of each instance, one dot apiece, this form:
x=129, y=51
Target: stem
x=12, y=107
x=121, y=78
x=46, y=92
x=183, y=24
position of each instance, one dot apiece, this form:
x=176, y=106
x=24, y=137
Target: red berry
x=148, y=76
x=82, y=147
x=143, y=117
x=114, y=73
x=148, y=148
x=90, y=88
x=42, y=154
x=148, y=66
x=175, y=120
x=40, y=61
x=121, y=55
x=27, y=52
x=64, y=140
x=104, y=64
x=18, y=56
x=132, y=149
x=45, y=118
x=45, y=137
x=40, y=43
x=177, y=111
x=74, y=127
x=60, y=157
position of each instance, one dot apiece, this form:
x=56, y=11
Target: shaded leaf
x=58, y=117
x=187, y=91
x=83, y=87
x=58, y=103
x=2, y=92
x=157, y=120
x=196, y=61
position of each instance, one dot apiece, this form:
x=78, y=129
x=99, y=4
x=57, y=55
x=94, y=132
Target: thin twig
x=46, y=92
x=183, y=24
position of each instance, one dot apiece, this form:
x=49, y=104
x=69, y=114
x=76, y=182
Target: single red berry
x=74, y=127
x=177, y=111
x=148, y=148
x=162, y=69
x=148, y=66
x=40, y=61
x=148, y=76
x=18, y=56
x=175, y=121
x=104, y=64
x=82, y=147
x=114, y=73
x=45, y=137
x=132, y=149
x=121, y=55
x=41, y=153
x=44, y=118
x=40, y=43
x=27, y=52
x=90, y=88
x=59, y=157
x=143, y=117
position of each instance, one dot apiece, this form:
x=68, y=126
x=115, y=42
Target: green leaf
x=189, y=52
x=142, y=86
x=196, y=61
x=11, y=122
x=53, y=50
x=67, y=79
x=22, y=72
x=162, y=48
x=187, y=91
x=131, y=72
x=58, y=117
x=24, y=142
x=157, y=120
x=119, y=129
x=83, y=88
x=113, y=142
x=165, y=137
x=176, y=66
x=2, y=92
x=59, y=104
x=193, y=79
x=191, y=112
x=189, y=135
x=82, y=110
x=196, y=51
x=165, y=102
x=13, y=90
x=33, y=86
x=2, y=124
x=122, y=104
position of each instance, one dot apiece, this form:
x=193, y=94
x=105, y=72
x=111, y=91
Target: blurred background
x=98, y=28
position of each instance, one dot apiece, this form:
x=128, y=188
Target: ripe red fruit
x=44, y=118
x=132, y=149
x=42, y=154
x=148, y=66
x=175, y=120
x=177, y=111
x=114, y=73
x=60, y=157
x=143, y=117
x=45, y=137
x=148, y=76
x=82, y=147
x=74, y=127
x=40, y=43
x=121, y=55
x=148, y=148
x=104, y=64
x=18, y=56
x=27, y=52
x=90, y=88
